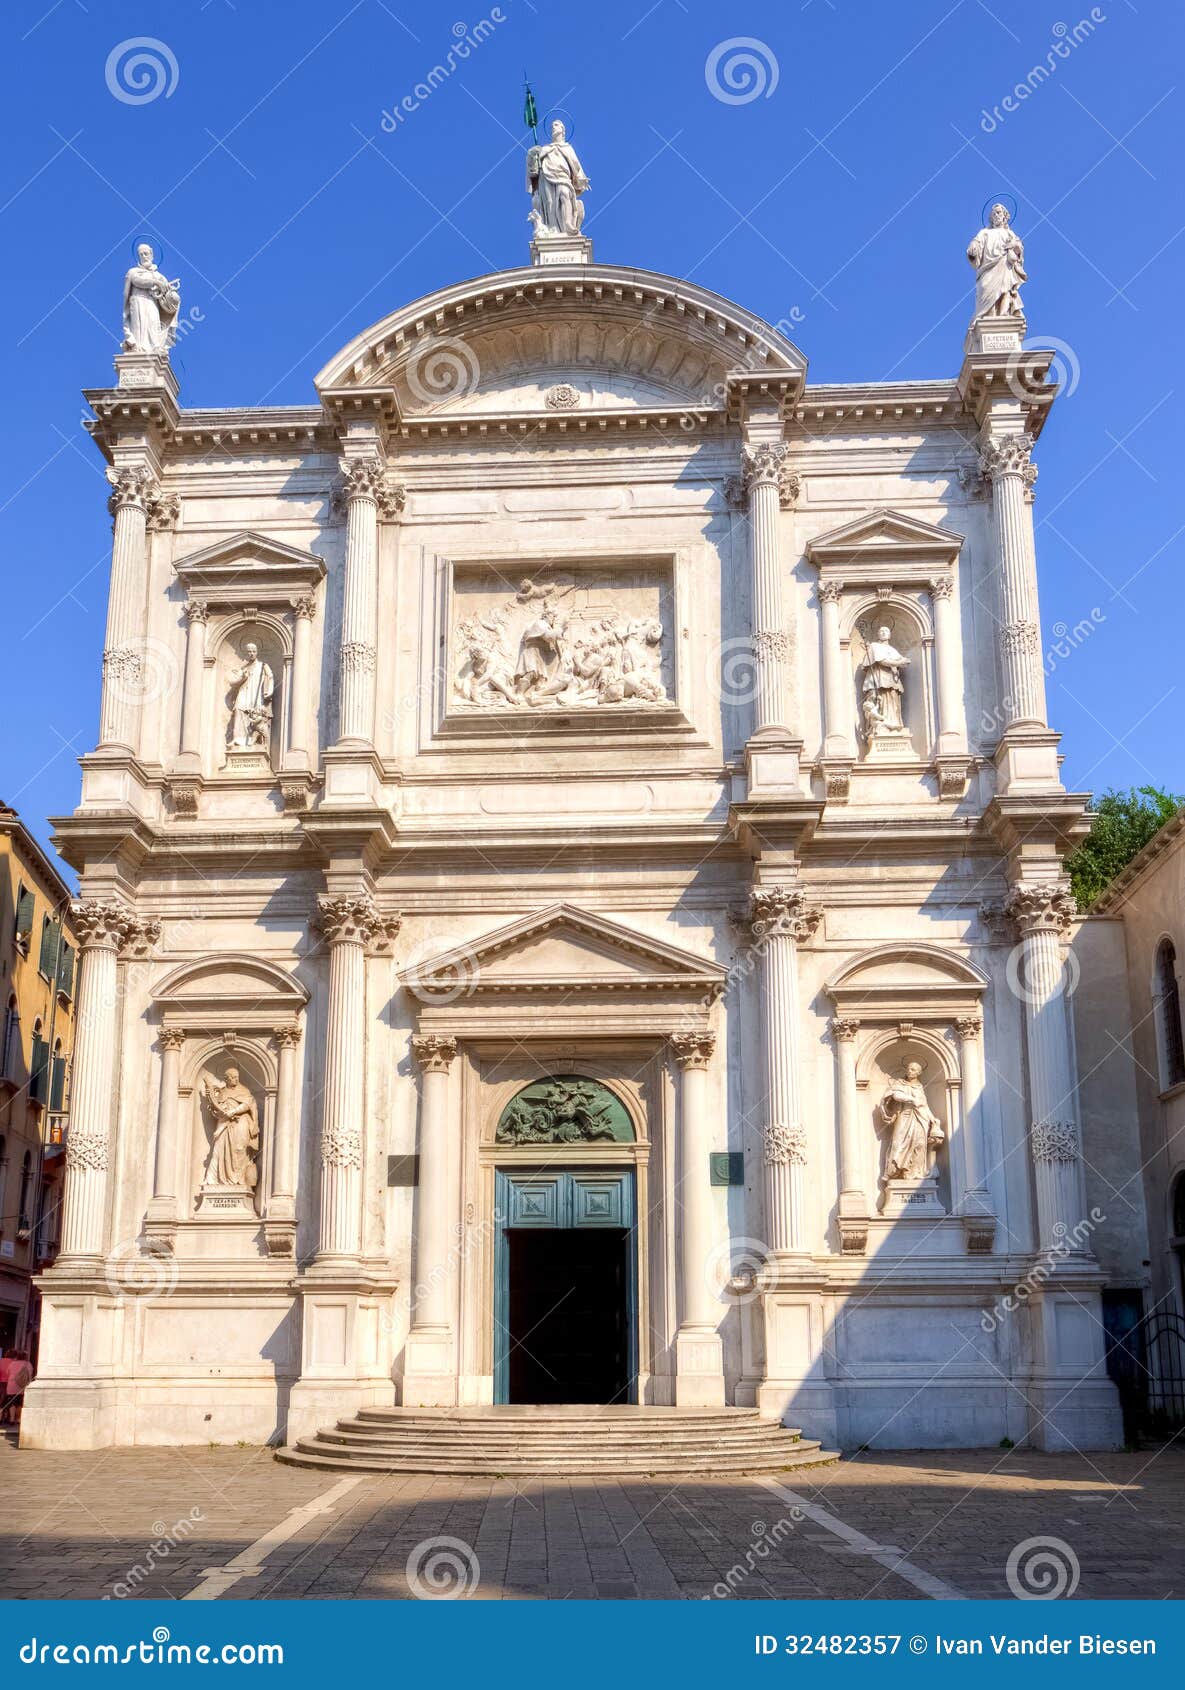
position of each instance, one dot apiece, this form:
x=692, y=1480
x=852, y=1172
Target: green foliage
x=1122, y=823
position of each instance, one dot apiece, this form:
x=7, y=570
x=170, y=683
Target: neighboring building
x=38, y=979
x=1147, y=901
x=575, y=824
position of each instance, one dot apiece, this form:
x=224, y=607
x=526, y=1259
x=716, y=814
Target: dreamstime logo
x=458, y=979
x=442, y=1568
x=1039, y=992
x=141, y=69
x=465, y=41
x=1042, y=1569
x=442, y=370
x=147, y=1274
x=1065, y=40
x=1064, y=367
x=741, y=70
x=164, y=1540
x=1067, y=1241
x=733, y=671
x=733, y=1269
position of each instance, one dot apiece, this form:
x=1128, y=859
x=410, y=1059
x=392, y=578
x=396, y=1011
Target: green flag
x=530, y=113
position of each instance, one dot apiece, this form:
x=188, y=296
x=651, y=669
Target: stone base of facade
x=699, y=1370
x=429, y=1372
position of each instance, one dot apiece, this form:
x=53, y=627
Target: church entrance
x=565, y=1307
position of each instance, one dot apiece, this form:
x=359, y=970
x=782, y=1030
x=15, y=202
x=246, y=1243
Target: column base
x=1072, y=1403
x=795, y=1388
x=699, y=1370
x=344, y=1365
x=773, y=760
x=429, y=1369
x=1026, y=760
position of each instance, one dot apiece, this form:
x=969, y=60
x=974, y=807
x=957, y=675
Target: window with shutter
x=49, y=948
x=39, y=1070
x=24, y=911
x=66, y=969
x=57, y=1085
x=12, y=1043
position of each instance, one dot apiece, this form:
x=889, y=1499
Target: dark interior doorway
x=569, y=1333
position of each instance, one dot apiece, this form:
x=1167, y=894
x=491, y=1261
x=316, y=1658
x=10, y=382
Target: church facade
x=572, y=897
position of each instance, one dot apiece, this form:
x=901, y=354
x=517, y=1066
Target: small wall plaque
x=403, y=1170
x=727, y=1167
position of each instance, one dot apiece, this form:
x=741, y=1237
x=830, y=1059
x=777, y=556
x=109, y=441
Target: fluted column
x=284, y=1158
x=132, y=487
x=971, y=1072
x=1042, y=911
x=305, y=608
x=104, y=927
x=347, y=923
x=837, y=707
x=1005, y=463
x=952, y=732
x=164, y=1174
x=780, y=917
x=693, y=1053
x=429, y=1371
x=768, y=484
x=197, y=615
x=362, y=488
x=853, y=1198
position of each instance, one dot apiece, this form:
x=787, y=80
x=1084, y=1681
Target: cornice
x=1164, y=842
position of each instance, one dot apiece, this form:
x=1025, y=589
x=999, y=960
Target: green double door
x=565, y=1287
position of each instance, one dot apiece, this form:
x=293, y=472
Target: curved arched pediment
x=234, y=985
x=619, y=338
x=907, y=980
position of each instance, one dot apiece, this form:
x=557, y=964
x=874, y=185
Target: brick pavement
x=82, y=1525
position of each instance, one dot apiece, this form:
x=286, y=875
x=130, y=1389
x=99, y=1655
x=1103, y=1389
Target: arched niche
x=910, y=633
x=563, y=1109
x=226, y=655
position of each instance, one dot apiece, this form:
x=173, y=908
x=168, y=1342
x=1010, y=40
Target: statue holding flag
x=555, y=182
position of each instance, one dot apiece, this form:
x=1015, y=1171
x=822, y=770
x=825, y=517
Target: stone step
x=605, y=1439
x=651, y=1421
x=311, y=1453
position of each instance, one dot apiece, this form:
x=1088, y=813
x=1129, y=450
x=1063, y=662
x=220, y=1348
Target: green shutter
x=66, y=969
x=57, y=1085
x=24, y=910
x=39, y=1076
x=49, y=947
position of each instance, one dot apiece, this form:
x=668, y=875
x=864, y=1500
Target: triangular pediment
x=248, y=554
x=564, y=946
x=882, y=535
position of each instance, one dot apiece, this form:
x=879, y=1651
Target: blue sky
x=842, y=195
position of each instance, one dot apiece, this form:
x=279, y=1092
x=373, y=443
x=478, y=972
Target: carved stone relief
x=585, y=640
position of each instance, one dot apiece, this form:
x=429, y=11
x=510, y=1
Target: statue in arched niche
x=915, y=1131
x=234, y=1144
x=252, y=690
x=882, y=687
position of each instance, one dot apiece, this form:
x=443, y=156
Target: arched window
x=39, y=1065
x=1168, y=1016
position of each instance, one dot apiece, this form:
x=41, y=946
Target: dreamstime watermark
x=158, y=1651
x=1065, y=40
x=741, y=70
x=164, y=1540
x=442, y=1568
x=765, y=1539
x=694, y=416
x=465, y=41
x=442, y=369
x=1066, y=640
x=143, y=1273
x=142, y=69
x=1063, y=369
x=1042, y=1569
x=1068, y=1241
x=733, y=1271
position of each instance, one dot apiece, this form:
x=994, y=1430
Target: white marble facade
x=573, y=688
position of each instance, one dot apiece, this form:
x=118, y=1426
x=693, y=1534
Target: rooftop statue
x=150, y=305
x=555, y=181
x=998, y=255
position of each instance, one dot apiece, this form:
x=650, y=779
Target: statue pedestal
x=241, y=760
x=145, y=369
x=561, y=249
x=917, y=1198
x=892, y=746
x=995, y=334
x=224, y=1200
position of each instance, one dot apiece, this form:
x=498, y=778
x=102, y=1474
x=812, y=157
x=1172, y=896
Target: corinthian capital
x=132, y=484
x=1009, y=455
x=1044, y=906
x=782, y=912
x=349, y=919
x=765, y=466
x=366, y=478
x=693, y=1050
x=106, y=924
x=434, y=1051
